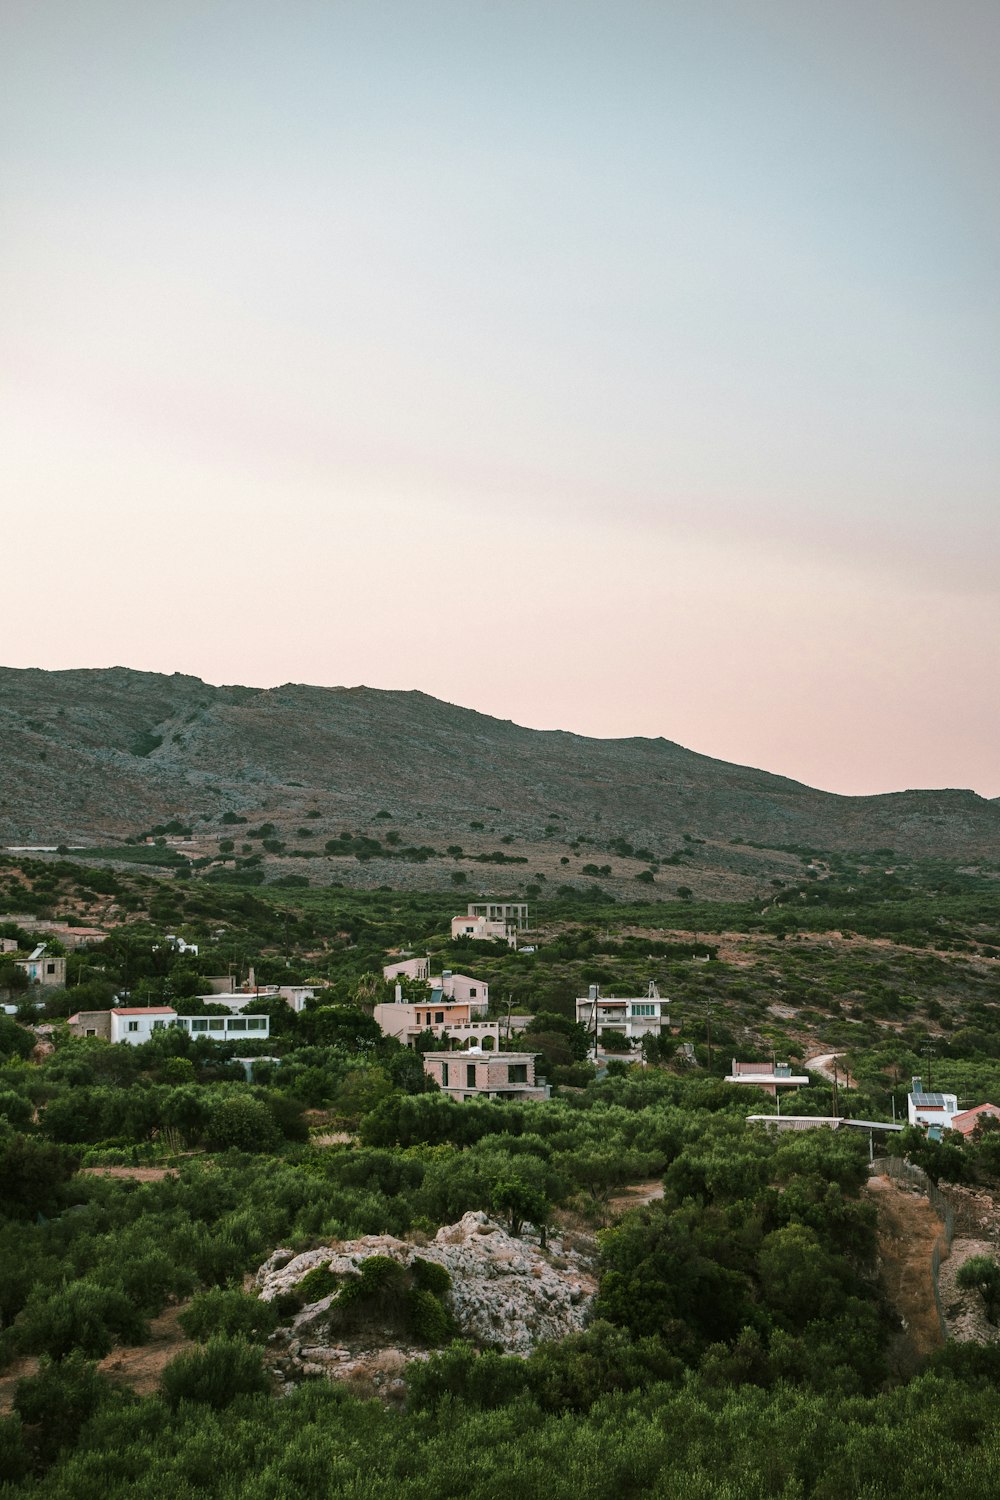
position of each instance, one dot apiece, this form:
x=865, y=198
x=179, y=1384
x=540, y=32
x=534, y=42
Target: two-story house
x=480, y=1075
x=631, y=1017
x=459, y=1021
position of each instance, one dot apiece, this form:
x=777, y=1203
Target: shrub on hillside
x=215, y=1374
x=83, y=1316
x=231, y=1313
x=58, y=1401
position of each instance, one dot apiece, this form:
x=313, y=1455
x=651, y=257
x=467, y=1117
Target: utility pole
x=708, y=1029
x=928, y=1051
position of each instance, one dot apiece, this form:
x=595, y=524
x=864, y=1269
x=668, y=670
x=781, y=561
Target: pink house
x=479, y=1075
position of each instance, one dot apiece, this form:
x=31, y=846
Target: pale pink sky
x=609, y=367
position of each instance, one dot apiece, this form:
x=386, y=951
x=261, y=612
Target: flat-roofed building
x=934, y=1110
x=135, y=1024
x=769, y=1076
x=480, y=1075
x=632, y=1016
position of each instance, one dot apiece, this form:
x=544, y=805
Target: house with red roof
x=968, y=1119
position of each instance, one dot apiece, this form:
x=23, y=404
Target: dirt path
x=908, y=1230
x=140, y=1368
x=137, y=1174
x=20, y=1369
x=137, y=1368
x=634, y=1196
x=823, y=1065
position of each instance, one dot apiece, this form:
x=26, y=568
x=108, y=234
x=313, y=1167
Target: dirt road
x=908, y=1230
x=823, y=1065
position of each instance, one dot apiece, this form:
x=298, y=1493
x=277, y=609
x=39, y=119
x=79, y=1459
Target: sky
x=629, y=368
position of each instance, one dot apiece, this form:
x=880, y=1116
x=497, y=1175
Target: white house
x=930, y=1109
x=632, y=1017
x=295, y=996
x=181, y=945
x=135, y=1024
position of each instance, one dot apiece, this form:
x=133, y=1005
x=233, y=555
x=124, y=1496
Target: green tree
x=31, y=1175
x=520, y=1201
x=241, y=1121
x=982, y=1273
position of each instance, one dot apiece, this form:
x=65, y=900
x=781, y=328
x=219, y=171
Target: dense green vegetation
x=739, y=1341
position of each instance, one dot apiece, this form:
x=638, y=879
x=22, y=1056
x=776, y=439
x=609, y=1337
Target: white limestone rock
x=504, y=1292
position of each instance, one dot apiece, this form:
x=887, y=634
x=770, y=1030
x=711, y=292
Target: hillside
x=97, y=756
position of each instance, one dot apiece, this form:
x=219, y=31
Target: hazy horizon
x=627, y=369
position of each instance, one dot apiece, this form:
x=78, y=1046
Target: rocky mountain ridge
x=99, y=755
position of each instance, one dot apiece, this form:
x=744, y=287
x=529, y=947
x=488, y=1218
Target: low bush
x=215, y=1375
x=231, y=1313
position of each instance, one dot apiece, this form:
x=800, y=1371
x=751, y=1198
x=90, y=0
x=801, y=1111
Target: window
x=472, y=992
x=444, y=1075
x=199, y=1024
x=517, y=1073
x=439, y=1017
x=133, y=1026
x=50, y=968
x=90, y=1031
x=470, y=1075
x=159, y=1025
x=216, y=1025
x=255, y=1023
x=238, y=1023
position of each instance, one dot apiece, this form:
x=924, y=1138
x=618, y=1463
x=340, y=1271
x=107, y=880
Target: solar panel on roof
x=929, y=1101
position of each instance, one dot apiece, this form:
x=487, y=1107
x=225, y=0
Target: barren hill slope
x=87, y=755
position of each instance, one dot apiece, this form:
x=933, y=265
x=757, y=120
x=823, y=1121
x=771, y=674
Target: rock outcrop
x=505, y=1292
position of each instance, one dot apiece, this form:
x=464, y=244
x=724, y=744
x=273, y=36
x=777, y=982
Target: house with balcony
x=463, y=988
x=511, y=914
x=459, y=1022
x=632, y=1017
x=480, y=1075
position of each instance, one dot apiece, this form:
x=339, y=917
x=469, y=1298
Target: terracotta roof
x=967, y=1121
x=143, y=1010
